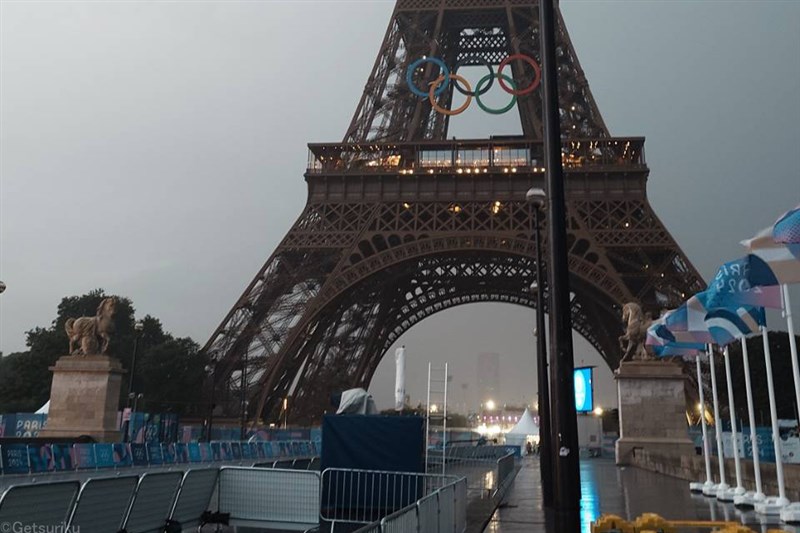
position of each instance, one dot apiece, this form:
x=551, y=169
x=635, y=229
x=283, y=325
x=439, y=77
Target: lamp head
x=536, y=197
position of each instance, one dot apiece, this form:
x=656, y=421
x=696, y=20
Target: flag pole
x=739, y=490
x=759, y=494
x=792, y=512
x=787, y=310
x=709, y=484
x=722, y=486
x=773, y=505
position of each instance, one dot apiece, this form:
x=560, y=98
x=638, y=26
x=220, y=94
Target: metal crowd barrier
x=137, y=504
x=442, y=511
x=22, y=459
x=269, y=497
x=397, y=501
x=506, y=472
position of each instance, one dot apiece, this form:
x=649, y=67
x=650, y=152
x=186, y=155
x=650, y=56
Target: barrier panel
x=50, y=503
x=103, y=456
x=402, y=521
x=428, y=513
x=102, y=504
x=364, y=496
x=153, y=501
x=269, y=495
x=122, y=455
x=84, y=456
x=139, y=454
x=195, y=493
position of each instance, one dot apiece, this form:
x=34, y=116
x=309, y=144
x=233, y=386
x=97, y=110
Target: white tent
x=526, y=427
x=45, y=409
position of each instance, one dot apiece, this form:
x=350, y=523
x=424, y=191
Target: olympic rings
x=529, y=60
x=478, y=93
x=449, y=112
x=482, y=62
x=445, y=73
x=440, y=85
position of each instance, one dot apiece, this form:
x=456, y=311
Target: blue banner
x=122, y=455
x=216, y=452
x=236, y=451
x=62, y=457
x=194, y=452
x=268, y=453
x=155, y=454
x=206, y=454
x=40, y=458
x=246, y=454
x=260, y=451
x=84, y=456
x=15, y=458
x=227, y=452
x=104, y=455
x=139, y=454
x=168, y=452
x=181, y=453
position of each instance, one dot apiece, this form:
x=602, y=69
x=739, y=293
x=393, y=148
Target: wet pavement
x=624, y=491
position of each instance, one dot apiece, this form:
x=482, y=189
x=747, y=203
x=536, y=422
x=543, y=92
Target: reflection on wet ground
x=624, y=491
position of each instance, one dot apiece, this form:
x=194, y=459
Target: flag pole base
x=771, y=506
x=696, y=486
x=748, y=500
x=710, y=490
x=791, y=513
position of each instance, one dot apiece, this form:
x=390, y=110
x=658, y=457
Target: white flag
x=400, y=378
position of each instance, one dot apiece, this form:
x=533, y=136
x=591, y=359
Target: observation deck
x=500, y=167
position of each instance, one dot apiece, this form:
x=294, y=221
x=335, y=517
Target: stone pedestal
x=652, y=410
x=84, y=398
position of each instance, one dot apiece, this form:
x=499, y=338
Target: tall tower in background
x=488, y=379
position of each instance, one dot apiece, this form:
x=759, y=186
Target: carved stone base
x=652, y=410
x=84, y=398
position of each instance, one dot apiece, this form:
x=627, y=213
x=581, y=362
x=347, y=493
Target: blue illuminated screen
x=584, y=393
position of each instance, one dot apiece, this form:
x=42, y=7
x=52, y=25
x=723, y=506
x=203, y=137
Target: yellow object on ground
x=653, y=523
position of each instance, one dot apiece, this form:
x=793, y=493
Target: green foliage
x=782, y=377
x=169, y=372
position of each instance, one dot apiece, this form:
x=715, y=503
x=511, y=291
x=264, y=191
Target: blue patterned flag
x=727, y=325
x=775, y=252
x=787, y=229
x=732, y=286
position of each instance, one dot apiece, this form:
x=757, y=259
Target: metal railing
x=506, y=472
x=266, y=497
x=269, y=495
x=442, y=511
x=366, y=496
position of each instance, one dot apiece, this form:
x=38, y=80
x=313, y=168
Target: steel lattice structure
x=401, y=223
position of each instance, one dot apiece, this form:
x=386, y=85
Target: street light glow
x=598, y=411
x=434, y=408
x=490, y=405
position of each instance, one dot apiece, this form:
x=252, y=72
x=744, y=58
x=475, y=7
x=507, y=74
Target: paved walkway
x=626, y=491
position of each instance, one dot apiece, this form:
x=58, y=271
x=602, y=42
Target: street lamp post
x=212, y=368
x=536, y=197
x=566, y=467
x=138, y=327
x=243, y=387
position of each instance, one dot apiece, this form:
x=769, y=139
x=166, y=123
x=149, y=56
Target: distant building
x=488, y=378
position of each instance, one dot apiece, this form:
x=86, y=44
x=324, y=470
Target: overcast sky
x=157, y=149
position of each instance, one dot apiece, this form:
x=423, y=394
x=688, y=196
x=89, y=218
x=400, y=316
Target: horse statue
x=637, y=322
x=86, y=330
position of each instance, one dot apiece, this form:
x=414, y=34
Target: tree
x=25, y=377
x=782, y=377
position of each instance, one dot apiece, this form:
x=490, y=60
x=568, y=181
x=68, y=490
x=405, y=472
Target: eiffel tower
x=401, y=223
